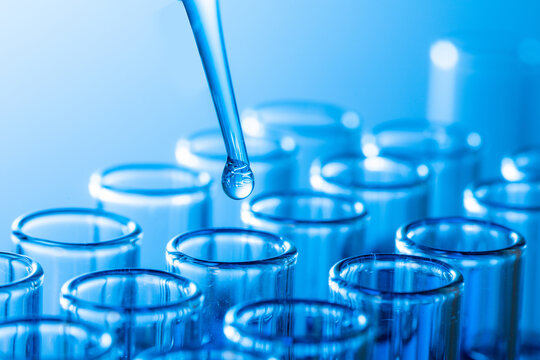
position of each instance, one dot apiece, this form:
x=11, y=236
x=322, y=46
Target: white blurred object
x=489, y=81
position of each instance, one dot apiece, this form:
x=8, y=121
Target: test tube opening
x=228, y=246
x=54, y=338
x=395, y=275
x=75, y=227
x=284, y=327
x=305, y=207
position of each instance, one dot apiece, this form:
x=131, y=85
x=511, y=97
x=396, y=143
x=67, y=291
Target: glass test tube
x=21, y=280
x=414, y=303
x=470, y=74
x=299, y=329
x=394, y=192
x=54, y=338
x=517, y=206
x=231, y=266
x=142, y=308
x=201, y=354
x=451, y=152
x=325, y=229
x=317, y=128
x=272, y=161
x=523, y=164
x=166, y=200
x=489, y=256
x=70, y=241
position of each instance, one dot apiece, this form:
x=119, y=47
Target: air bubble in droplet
x=237, y=179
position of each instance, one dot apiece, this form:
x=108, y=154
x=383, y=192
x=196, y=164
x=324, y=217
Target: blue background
x=88, y=84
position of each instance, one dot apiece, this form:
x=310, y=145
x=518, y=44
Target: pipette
x=237, y=179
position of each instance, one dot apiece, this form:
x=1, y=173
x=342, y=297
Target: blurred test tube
x=451, y=152
x=317, y=128
x=394, y=192
x=272, y=161
x=165, y=200
x=490, y=82
x=523, y=164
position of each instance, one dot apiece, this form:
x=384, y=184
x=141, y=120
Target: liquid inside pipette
x=237, y=179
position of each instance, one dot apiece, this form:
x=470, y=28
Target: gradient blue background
x=87, y=84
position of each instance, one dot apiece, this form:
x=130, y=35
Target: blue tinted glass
x=490, y=258
x=141, y=308
x=232, y=266
x=414, y=303
x=325, y=228
x=517, y=206
x=299, y=329
x=70, y=242
x=165, y=200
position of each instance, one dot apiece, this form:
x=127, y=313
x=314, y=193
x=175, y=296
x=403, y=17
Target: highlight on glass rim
x=273, y=180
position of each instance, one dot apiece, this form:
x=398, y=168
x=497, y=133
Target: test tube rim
x=286, y=258
x=230, y=316
x=519, y=153
x=104, y=335
x=193, y=301
x=421, y=179
x=362, y=215
x=35, y=276
x=98, y=177
x=455, y=285
x=278, y=154
x=524, y=150
x=326, y=106
x=463, y=151
x=132, y=237
x=472, y=192
x=517, y=245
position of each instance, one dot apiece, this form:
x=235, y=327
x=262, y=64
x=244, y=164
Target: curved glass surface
x=21, y=281
x=490, y=257
x=395, y=191
x=272, y=160
x=50, y=338
x=515, y=205
x=231, y=266
x=143, y=308
x=451, y=151
x=318, y=128
x=324, y=227
x=415, y=303
x=287, y=329
x=166, y=200
x=71, y=241
x=471, y=71
x=522, y=165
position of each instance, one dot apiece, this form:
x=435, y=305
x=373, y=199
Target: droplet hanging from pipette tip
x=237, y=179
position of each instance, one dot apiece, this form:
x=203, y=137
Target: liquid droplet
x=237, y=179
